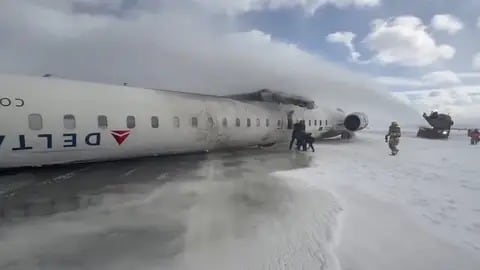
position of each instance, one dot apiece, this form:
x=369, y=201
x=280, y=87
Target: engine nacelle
x=356, y=121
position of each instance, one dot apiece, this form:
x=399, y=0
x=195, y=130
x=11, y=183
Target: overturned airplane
x=48, y=121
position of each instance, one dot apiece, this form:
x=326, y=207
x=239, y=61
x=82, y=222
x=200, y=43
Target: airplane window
x=69, y=121
x=326, y=122
x=35, y=121
x=130, y=121
x=225, y=122
x=210, y=122
x=315, y=123
x=102, y=121
x=267, y=122
x=249, y=123
x=194, y=122
x=309, y=122
x=176, y=122
x=154, y=122
x=258, y=122
x=237, y=122
x=320, y=121
x=279, y=123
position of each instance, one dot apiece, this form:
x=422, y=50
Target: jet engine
x=355, y=121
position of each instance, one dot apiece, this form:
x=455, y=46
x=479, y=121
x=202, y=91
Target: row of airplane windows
x=35, y=122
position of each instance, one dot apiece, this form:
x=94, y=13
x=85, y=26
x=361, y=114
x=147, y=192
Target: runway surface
x=349, y=205
x=206, y=211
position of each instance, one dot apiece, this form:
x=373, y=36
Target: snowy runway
x=346, y=206
x=418, y=210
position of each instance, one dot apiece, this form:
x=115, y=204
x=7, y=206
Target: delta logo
x=120, y=136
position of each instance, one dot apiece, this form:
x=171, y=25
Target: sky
x=392, y=59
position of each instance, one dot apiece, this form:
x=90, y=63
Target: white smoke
x=178, y=47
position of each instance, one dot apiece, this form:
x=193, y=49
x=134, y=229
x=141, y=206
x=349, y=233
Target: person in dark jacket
x=301, y=137
x=302, y=125
x=309, y=139
x=296, y=128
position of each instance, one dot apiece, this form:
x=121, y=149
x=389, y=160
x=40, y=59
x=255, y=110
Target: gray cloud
x=174, y=47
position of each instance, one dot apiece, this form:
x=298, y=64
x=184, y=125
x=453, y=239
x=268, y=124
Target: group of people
x=474, y=136
x=302, y=137
x=305, y=140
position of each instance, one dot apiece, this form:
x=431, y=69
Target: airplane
x=50, y=121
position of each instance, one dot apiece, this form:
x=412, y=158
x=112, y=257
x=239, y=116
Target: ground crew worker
x=296, y=128
x=393, y=137
x=302, y=125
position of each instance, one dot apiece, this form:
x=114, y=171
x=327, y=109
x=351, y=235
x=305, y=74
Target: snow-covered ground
x=417, y=210
x=347, y=206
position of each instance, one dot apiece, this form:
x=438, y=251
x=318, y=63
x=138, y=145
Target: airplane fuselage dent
x=46, y=121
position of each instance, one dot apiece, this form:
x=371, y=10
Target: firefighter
x=393, y=137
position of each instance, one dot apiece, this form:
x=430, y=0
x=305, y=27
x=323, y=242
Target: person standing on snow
x=393, y=137
x=474, y=136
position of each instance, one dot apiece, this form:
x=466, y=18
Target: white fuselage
x=52, y=121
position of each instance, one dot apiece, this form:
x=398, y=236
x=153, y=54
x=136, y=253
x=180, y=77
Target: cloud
x=309, y=6
x=404, y=41
x=446, y=22
x=469, y=75
x=461, y=102
x=345, y=38
x=400, y=81
x=476, y=61
x=441, y=78
x=435, y=78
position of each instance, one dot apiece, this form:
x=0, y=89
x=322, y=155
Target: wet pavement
x=46, y=191
x=140, y=213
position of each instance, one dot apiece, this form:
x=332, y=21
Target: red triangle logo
x=120, y=135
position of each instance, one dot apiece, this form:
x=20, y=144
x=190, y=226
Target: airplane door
x=212, y=132
x=290, y=119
